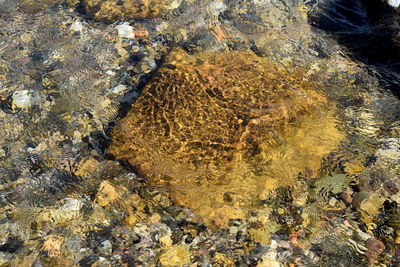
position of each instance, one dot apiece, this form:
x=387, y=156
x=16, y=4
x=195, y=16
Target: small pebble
x=24, y=99
x=125, y=31
x=119, y=89
x=332, y=202
x=106, y=247
x=77, y=26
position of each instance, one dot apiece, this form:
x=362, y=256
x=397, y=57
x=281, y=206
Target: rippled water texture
x=225, y=128
x=199, y=133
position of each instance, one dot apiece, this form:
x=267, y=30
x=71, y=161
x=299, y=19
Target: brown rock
x=133, y=206
x=373, y=204
x=131, y=219
x=214, y=125
x=111, y=10
x=347, y=195
x=374, y=248
x=106, y=194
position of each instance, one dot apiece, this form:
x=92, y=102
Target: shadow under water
x=369, y=30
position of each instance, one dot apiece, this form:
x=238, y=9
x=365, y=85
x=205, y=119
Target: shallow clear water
x=205, y=133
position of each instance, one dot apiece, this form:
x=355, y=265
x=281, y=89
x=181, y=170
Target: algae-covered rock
x=111, y=10
x=222, y=129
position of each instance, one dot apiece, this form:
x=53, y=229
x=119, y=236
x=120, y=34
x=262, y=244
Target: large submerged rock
x=223, y=129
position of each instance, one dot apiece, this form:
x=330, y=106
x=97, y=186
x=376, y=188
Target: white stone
x=24, y=99
x=269, y=259
x=262, y=2
x=362, y=235
x=390, y=151
x=394, y=3
x=125, y=31
x=77, y=26
x=119, y=89
x=77, y=138
x=72, y=204
x=106, y=247
x=111, y=73
x=175, y=4
x=69, y=211
x=216, y=7
x=332, y=202
x=162, y=26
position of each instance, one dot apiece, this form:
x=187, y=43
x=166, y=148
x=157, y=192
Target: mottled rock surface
x=111, y=10
x=222, y=129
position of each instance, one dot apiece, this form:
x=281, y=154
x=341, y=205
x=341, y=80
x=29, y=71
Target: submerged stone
x=37, y=5
x=52, y=245
x=223, y=129
x=24, y=99
x=111, y=10
x=175, y=256
x=107, y=193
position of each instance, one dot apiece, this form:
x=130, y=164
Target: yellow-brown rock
x=133, y=206
x=222, y=260
x=175, y=256
x=223, y=129
x=107, y=193
x=112, y=10
x=52, y=245
x=86, y=167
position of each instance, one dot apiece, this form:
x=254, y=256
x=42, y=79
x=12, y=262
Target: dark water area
x=369, y=30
